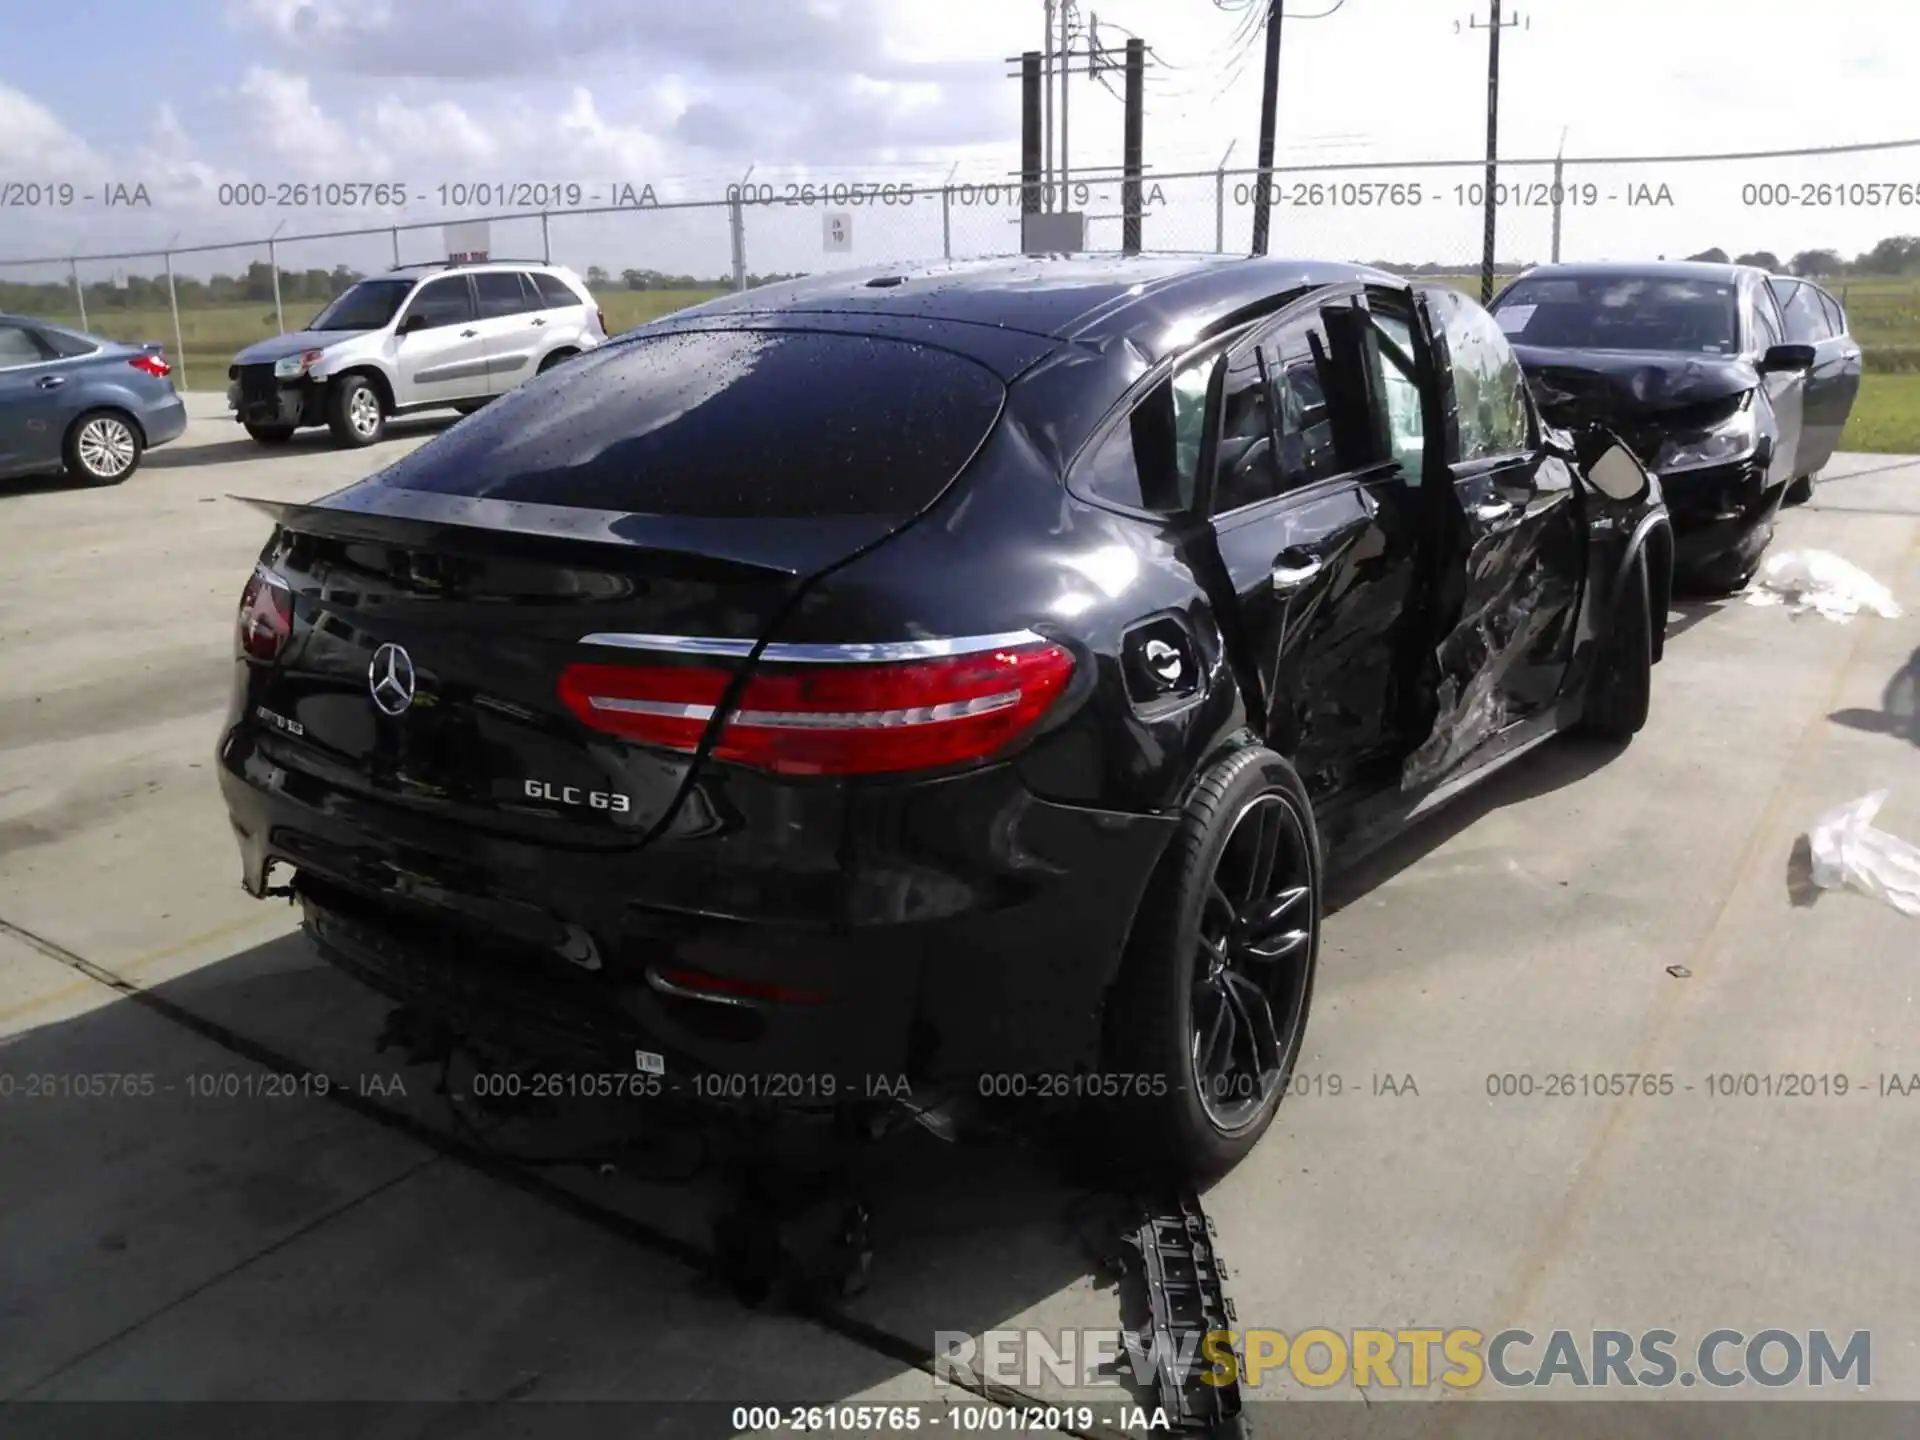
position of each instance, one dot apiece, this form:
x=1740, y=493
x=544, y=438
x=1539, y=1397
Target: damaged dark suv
x=939, y=675
x=1693, y=365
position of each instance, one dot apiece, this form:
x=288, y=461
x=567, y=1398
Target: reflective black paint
x=1722, y=515
x=948, y=924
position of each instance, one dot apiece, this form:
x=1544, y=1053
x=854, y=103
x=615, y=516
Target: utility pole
x=1066, y=71
x=1030, y=136
x=1559, y=194
x=1493, y=27
x=1047, y=60
x=1130, y=147
x=1269, y=104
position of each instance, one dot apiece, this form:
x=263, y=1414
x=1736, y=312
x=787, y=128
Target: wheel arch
x=382, y=383
x=1650, y=543
x=105, y=407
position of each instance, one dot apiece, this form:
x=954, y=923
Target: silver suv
x=420, y=337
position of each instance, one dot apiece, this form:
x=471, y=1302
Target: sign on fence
x=467, y=241
x=837, y=227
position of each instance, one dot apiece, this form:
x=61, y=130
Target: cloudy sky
x=187, y=96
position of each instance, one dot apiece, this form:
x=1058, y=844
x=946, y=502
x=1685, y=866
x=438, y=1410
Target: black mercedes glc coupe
x=933, y=676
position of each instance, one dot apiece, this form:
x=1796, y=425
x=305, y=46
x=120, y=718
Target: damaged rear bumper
x=986, y=952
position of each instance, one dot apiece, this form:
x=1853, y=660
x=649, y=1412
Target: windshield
x=367, y=306
x=1622, y=312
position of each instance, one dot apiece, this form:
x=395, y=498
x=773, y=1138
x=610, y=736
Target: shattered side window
x=1489, y=388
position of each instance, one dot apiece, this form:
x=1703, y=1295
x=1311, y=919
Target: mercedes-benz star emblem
x=390, y=678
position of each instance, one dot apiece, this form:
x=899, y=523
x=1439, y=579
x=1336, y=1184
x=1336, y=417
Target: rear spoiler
x=390, y=515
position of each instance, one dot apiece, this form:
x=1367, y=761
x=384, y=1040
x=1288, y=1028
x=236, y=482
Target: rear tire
x=468, y=407
x=554, y=359
x=1217, y=943
x=102, y=447
x=1800, y=491
x=271, y=434
x=355, y=413
x=1621, y=691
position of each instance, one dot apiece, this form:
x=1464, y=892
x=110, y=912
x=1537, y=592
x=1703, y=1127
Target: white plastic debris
x=1849, y=850
x=1820, y=580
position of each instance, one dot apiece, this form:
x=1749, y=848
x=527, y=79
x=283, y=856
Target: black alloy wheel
x=1250, y=975
x=1210, y=1007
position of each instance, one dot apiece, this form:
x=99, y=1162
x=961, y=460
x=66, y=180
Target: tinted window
x=366, y=306
x=554, y=291
x=1301, y=379
x=499, y=292
x=1490, y=392
x=1245, y=468
x=1806, y=318
x=65, y=343
x=446, y=301
x=1836, y=317
x=1622, y=312
x=17, y=346
x=725, y=423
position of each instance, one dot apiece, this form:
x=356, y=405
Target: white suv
x=420, y=337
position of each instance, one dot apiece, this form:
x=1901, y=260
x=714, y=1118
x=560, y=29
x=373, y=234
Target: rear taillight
x=601, y=316
x=831, y=719
x=266, y=616
x=152, y=364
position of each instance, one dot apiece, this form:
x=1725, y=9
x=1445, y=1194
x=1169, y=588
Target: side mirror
x=1618, y=474
x=1787, y=357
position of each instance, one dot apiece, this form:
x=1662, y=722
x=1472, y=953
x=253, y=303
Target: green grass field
x=1884, y=313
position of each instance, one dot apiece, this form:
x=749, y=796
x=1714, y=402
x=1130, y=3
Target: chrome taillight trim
x=848, y=653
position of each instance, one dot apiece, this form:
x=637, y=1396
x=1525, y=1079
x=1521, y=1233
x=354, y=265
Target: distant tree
x=1765, y=259
x=1817, y=262
x=1715, y=256
x=634, y=279
x=596, y=276
x=1894, y=255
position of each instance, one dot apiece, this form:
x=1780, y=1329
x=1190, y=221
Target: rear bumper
x=164, y=420
x=973, y=929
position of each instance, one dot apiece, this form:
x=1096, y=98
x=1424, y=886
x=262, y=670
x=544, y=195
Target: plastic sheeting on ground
x=1849, y=851
x=1820, y=580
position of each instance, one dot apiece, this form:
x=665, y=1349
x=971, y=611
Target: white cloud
x=296, y=132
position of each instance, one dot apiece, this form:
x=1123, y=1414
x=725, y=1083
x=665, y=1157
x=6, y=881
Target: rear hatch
x=419, y=637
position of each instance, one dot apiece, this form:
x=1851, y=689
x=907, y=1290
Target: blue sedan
x=82, y=403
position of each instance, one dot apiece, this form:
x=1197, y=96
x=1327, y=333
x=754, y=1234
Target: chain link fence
x=646, y=259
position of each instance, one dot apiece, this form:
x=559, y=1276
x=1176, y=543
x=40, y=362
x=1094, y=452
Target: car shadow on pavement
x=218, y=1227
x=1562, y=761
x=304, y=444
x=1899, y=712
x=1686, y=611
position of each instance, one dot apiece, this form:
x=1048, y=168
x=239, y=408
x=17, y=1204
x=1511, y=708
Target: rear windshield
x=1622, y=312
x=724, y=423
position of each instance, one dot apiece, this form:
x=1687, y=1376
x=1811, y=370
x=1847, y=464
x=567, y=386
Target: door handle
x=539, y=321
x=1492, y=512
x=468, y=334
x=1295, y=568
x=50, y=382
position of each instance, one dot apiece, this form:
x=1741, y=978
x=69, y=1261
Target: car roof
x=1085, y=298
x=1666, y=269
